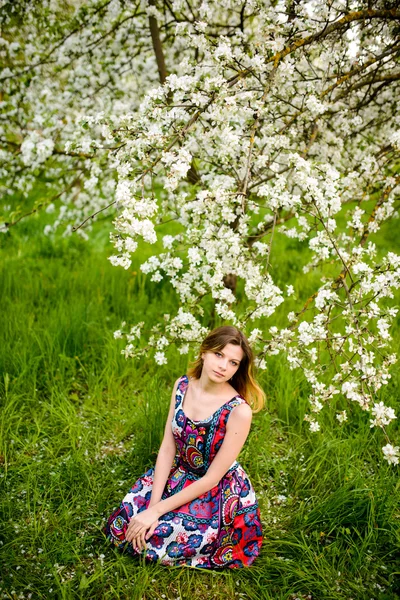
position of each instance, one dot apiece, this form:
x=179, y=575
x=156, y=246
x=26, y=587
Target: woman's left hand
x=138, y=526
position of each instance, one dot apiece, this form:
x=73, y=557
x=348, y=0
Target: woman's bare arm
x=165, y=456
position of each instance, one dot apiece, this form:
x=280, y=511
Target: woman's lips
x=219, y=374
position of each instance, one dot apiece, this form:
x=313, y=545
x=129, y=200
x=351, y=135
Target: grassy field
x=79, y=424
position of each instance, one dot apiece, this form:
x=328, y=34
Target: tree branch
x=157, y=45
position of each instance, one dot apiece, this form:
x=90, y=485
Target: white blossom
x=160, y=358
x=342, y=416
x=314, y=426
x=391, y=454
x=383, y=415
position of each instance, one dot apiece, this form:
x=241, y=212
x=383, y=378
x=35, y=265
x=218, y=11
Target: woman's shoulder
x=240, y=409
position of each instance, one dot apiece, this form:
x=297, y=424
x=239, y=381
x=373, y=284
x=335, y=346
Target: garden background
x=167, y=166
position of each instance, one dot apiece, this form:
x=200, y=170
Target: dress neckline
x=211, y=416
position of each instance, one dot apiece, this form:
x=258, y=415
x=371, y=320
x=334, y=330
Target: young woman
x=197, y=507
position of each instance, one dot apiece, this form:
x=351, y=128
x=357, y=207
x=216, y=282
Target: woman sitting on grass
x=197, y=507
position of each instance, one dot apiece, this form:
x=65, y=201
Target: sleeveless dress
x=220, y=528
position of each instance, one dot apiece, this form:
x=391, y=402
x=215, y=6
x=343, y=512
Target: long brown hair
x=243, y=380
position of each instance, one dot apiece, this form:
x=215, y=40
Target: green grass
x=79, y=424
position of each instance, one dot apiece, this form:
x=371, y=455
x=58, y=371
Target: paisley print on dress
x=220, y=528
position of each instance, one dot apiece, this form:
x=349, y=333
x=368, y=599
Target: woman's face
x=221, y=365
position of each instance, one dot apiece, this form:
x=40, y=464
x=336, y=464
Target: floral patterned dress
x=220, y=528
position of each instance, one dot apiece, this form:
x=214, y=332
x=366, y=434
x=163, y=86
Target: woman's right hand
x=139, y=540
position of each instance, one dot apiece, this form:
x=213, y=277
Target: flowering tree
x=241, y=121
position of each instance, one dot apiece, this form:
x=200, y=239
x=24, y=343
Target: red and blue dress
x=220, y=528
